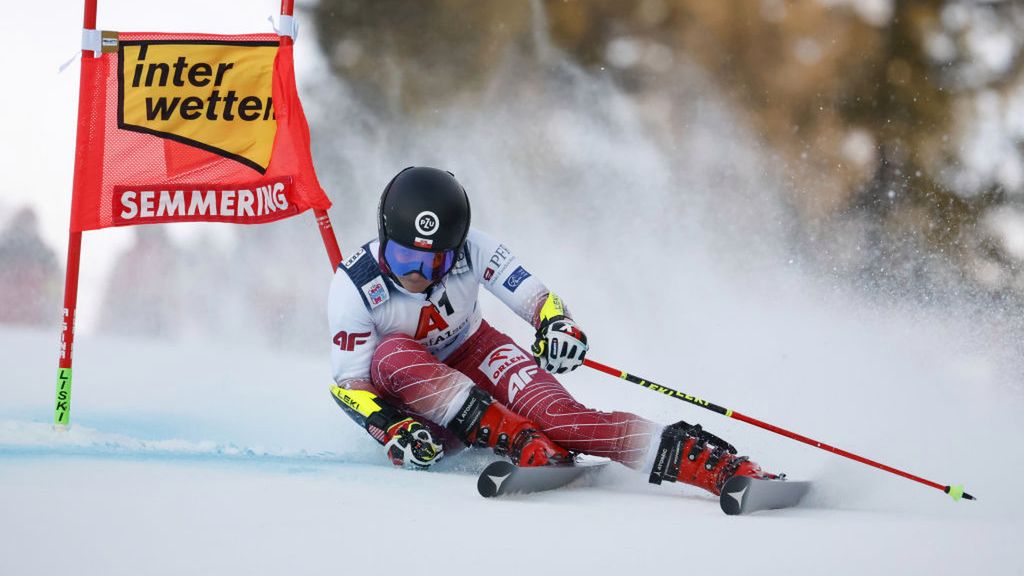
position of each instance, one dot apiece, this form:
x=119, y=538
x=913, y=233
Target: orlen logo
x=500, y=360
x=212, y=95
x=348, y=342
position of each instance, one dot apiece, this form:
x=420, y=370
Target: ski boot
x=693, y=456
x=482, y=421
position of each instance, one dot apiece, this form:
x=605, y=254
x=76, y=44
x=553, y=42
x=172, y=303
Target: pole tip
x=957, y=492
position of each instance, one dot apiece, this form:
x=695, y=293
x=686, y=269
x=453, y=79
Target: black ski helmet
x=425, y=209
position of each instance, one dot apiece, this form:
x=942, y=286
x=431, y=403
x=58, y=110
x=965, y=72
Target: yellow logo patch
x=211, y=95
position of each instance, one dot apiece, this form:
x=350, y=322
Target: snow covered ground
x=204, y=459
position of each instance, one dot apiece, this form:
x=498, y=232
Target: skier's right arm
x=354, y=338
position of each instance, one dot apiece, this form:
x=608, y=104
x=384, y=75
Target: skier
x=415, y=364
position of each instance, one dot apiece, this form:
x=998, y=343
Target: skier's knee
x=397, y=338
x=397, y=342
x=395, y=352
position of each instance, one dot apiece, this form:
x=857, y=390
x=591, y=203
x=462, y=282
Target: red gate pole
x=62, y=405
x=327, y=233
x=322, y=219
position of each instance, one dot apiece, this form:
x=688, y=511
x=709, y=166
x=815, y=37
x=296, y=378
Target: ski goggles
x=432, y=265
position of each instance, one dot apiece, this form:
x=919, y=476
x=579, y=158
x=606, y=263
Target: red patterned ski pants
x=404, y=372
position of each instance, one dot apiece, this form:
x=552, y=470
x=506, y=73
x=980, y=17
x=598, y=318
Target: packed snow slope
x=217, y=460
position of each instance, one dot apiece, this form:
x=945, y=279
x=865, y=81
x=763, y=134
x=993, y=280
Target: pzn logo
x=348, y=342
x=427, y=223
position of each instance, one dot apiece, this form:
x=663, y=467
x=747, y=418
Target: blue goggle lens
x=403, y=260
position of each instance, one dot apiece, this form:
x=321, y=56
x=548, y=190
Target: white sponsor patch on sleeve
x=500, y=260
x=376, y=292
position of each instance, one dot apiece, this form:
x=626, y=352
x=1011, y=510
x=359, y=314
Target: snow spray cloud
x=659, y=217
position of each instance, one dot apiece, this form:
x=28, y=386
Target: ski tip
x=490, y=480
x=731, y=499
x=743, y=494
x=957, y=492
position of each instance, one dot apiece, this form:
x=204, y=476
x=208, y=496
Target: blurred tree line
x=898, y=123
x=267, y=288
x=30, y=275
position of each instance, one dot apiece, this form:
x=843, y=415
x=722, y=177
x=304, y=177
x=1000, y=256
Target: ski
x=743, y=495
x=502, y=477
x=740, y=495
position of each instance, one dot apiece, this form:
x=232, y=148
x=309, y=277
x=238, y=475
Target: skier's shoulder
x=477, y=238
x=492, y=258
x=358, y=281
x=480, y=246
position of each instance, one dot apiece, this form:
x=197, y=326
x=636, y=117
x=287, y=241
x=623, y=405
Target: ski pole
x=957, y=491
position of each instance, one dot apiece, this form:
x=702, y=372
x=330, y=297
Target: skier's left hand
x=560, y=345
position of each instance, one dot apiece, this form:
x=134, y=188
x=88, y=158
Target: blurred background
x=656, y=148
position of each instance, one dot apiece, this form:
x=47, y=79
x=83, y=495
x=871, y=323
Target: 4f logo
x=347, y=342
x=518, y=380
